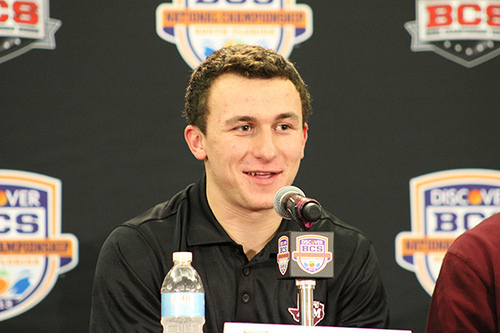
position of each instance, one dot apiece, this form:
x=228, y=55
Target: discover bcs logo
x=33, y=252
x=443, y=205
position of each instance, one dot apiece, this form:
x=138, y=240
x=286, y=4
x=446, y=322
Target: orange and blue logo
x=33, y=251
x=312, y=253
x=283, y=256
x=443, y=205
x=199, y=27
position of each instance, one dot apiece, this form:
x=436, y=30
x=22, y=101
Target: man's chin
x=261, y=206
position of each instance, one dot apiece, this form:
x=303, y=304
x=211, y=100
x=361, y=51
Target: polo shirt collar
x=203, y=227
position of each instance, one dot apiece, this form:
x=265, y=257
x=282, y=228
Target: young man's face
x=254, y=140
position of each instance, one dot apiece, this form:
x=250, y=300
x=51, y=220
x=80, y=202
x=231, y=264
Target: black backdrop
x=101, y=112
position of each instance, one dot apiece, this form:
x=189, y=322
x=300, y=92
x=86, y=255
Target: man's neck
x=252, y=230
x=252, y=235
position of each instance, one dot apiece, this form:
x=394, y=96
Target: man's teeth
x=260, y=173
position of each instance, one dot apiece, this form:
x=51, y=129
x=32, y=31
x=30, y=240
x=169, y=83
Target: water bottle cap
x=182, y=256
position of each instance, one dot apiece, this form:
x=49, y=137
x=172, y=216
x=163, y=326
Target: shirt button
x=246, y=271
x=245, y=298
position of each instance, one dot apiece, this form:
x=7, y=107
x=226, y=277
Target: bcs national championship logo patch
x=283, y=256
x=25, y=25
x=464, y=31
x=443, y=205
x=199, y=27
x=312, y=253
x=33, y=252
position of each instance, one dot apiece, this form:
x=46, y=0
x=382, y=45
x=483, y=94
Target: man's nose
x=265, y=147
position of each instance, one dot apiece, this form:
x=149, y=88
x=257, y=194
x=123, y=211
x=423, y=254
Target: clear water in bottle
x=182, y=297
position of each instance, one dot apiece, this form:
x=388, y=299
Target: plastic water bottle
x=182, y=297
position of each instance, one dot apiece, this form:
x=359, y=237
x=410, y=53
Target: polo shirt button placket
x=245, y=298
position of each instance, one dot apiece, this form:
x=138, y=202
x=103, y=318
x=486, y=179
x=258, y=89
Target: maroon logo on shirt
x=318, y=311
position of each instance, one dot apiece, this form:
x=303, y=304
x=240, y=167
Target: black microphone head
x=312, y=211
x=280, y=198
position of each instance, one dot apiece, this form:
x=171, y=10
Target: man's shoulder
x=330, y=222
x=161, y=212
x=158, y=221
x=346, y=235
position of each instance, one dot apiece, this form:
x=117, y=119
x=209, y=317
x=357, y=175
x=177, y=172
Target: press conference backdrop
x=90, y=101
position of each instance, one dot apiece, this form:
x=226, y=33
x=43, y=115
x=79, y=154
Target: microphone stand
x=306, y=299
x=296, y=250
x=303, y=254
x=306, y=294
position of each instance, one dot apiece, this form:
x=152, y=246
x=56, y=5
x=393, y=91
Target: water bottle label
x=183, y=305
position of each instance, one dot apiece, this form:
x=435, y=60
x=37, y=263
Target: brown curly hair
x=250, y=61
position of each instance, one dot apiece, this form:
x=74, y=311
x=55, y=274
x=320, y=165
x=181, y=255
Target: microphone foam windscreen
x=280, y=198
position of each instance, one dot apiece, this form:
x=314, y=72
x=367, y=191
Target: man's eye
x=244, y=128
x=283, y=127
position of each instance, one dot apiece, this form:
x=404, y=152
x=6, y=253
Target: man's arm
x=363, y=301
x=126, y=291
x=461, y=301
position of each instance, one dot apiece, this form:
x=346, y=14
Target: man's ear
x=195, y=140
x=304, y=137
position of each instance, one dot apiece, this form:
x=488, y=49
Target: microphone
x=291, y=203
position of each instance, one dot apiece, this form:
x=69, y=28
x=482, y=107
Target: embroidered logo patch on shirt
x=318, y=311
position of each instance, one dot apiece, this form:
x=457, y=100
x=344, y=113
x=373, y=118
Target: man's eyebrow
x=250, y=119
x=287, y=115
x=239, y=119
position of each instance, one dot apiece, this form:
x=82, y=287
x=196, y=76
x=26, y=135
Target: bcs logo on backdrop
x=464, y=31
x=443, y=205
x=33, y=252
x=25, y=25
x=199, y=27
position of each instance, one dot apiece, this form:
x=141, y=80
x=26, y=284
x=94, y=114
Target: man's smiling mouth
x=261, y=174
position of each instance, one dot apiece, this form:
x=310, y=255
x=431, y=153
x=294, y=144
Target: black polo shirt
x=138, y=254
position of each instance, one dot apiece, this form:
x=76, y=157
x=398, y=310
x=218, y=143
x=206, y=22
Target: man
x=466, y=297
x=247, y=109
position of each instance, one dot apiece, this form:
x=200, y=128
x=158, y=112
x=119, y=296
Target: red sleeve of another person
x=464, y=298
